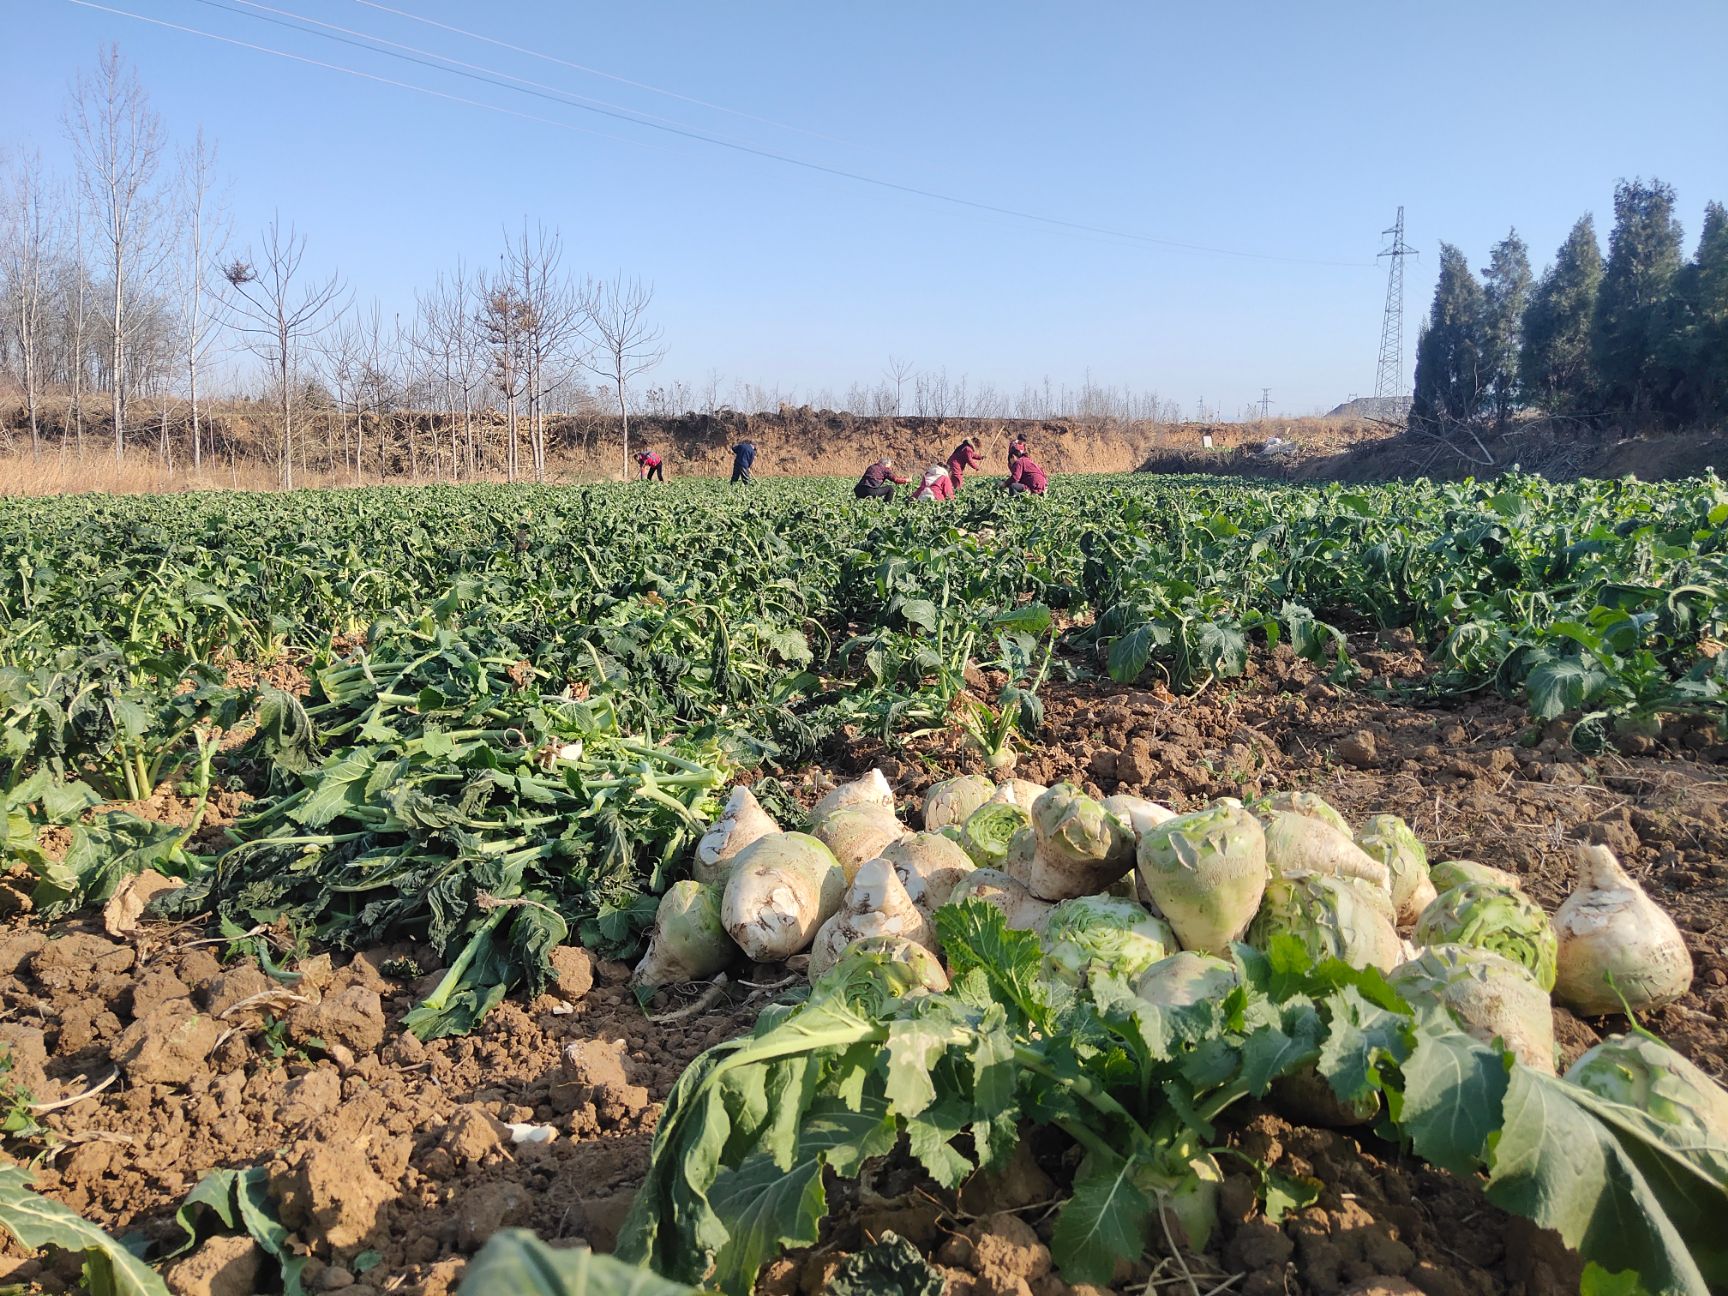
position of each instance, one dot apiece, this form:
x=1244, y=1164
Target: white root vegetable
x=948, y=803
x=1307, y=804
x=1616, y=943
x=1022, y=849
x=1185, y=979
x=1020, y=792
x=1081, y=847
x=990, y=828
x=1141, y=815
x=1387, y=838
x=1206, y=872
x=929, y=865
x=1639, y=1071
x=1496, y=918
x=743, y=822
x=1490, y=997
x=1450, y=873
x=782, y=889
x=1333, y=917
x=875, y=905
x=870, y=791
x=1021, y=910
x=903, y=967
x=1092, y=934
x=688, y=942
x=1298, y=843
x=857, y=834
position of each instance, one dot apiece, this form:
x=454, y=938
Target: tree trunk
x=624, y=420
x=118, y=377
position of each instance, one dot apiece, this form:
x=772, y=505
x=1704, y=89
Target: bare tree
x=552, y=322
x=117, y=140
x=449, y=328
x=625, y=345
x=341, y=350
x=373, y=383
x=78, y=327
x=204, y=234
x=898, y=372
x=279, y=313
x=29, y=247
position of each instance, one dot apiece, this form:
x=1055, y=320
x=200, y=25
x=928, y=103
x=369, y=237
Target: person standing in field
x=1016, y=448
x=650, y=467
x=965, y=456
x=878, y=481
x=938, y=484
x=743, y=456
x=1026, y=477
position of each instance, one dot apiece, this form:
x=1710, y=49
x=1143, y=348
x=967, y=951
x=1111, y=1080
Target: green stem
x=453, y=978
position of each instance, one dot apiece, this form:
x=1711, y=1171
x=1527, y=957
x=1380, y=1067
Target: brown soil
x=793, y=441
x=1369, y=451
x=388, y=1158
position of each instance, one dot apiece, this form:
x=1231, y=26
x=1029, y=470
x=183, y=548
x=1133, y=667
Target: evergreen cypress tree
x=1554, y=359
x=1506, y=294
x=1633, y=311
x=1697, y=355
x=1449, y=369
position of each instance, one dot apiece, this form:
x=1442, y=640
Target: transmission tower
x=1389, y=397
x=1265, y=403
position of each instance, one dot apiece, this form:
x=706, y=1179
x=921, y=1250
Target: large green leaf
x=516, y=1263
x=1556, y=1164
x=1453, y=1091
x=1107, y=1219
x=38, y=1221
x=767, y=1207
x=240, y=1199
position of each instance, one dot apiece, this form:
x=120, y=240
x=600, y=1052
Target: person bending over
x=743, y=457
x=878, y=481
x=649, y=466
x=1026, y=477
x=938, y=484
x=965, y=456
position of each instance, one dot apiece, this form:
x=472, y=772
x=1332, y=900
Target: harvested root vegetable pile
x=855, y=932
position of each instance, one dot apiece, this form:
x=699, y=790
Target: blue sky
x=1290, y=132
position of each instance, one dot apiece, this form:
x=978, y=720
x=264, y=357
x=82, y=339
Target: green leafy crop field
x=493, y=722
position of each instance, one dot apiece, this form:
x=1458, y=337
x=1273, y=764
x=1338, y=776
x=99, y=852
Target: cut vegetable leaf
x=38, y=1222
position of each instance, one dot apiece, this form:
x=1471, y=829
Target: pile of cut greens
x=757, y=1127
x=429, y=789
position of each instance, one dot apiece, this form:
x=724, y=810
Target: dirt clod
x=331, y=1192
x=572, y=972
x=221, y=1266
x=169, y=1045
x=471, y=1133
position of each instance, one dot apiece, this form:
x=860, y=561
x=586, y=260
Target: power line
x=371, y=44
x=354, y=72
x=593, y=71
x=821, y=168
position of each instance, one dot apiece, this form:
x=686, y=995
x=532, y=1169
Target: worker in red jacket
x=938, y=484
x=875, y=483
x=965, y=456
x=649, y=466
x=1026, y=477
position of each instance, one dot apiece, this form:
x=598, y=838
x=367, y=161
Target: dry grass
x=53, y=473
x=798, y=443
